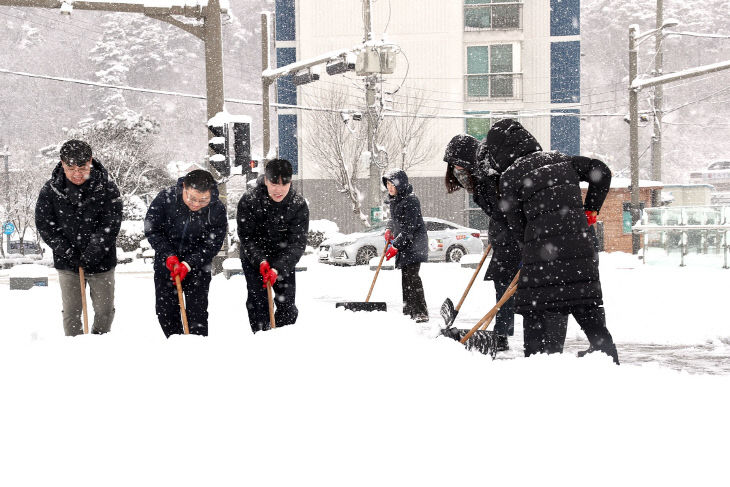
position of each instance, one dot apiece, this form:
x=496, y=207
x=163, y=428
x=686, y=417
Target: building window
x=492, y=14
x=490, y=72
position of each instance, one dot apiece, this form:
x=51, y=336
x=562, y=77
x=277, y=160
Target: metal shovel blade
x=363, y=306
x=483, y=341
x=448, y=312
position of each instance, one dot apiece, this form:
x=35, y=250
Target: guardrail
x=685, y=227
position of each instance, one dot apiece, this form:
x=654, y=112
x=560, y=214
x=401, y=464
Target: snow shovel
x=272, y=321
x=367, y=305
x=181, y=300
x=448, y=312
x=487, y=319
x=85, y=311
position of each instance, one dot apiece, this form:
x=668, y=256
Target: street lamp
x=634, y=40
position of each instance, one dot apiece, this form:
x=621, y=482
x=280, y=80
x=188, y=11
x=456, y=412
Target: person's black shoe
x=611, y=352
x=502, y=344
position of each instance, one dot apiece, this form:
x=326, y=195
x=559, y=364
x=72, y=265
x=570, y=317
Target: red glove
x=388, y=235
x=171, y=262
x=179, y=270
x=264, y=268
x=270, y=277
x=592, y=217
x=390, y=253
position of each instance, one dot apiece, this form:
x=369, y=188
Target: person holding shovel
x=273, y=221
x=185, y=225
x=541, y=198
x=408, y=239
x=466, y=169
x=78, y=214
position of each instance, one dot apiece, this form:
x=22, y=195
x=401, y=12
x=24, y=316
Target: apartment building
x=462, y=63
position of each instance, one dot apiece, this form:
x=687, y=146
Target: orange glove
x=264, y=268
x=388, y=235
x=592, y=217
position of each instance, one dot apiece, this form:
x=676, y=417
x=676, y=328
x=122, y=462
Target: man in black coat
x=273, y=221
x=541, y=198
x=408, y=239
x=185, y=225
x=78, y=215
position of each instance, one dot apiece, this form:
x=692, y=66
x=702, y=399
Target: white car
x=447, y=241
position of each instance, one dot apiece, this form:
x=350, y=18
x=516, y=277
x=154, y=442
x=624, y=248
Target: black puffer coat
x=80, y=223
x=406, y=221
x=271, y=231
x=194, y=237
x=541, y=198
x=466, y=152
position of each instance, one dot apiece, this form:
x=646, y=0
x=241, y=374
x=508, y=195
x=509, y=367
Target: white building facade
x=465, y=63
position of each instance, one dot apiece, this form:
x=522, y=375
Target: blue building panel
x=288, y=145
x=565, y=72
x=285, y=20
x=287, y=92
x=565, y=133
x=564, y=17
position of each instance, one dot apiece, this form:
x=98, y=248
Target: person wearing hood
x=273, y=221
x=406, y=233
x=541, y=198
x=185, y=225
x=466, y=168
x=78, y=214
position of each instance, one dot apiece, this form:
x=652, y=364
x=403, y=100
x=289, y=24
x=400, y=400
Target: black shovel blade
x=448, y=312
x=483, y=341
x=363, y=306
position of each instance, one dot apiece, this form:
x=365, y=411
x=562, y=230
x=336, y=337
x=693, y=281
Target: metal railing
x=702, y=228
x=493, y=16
x=490, y=86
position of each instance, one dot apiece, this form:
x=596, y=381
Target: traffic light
x=242, y=146
x=219, y=146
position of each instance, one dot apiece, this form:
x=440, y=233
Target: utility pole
x=370, y=90
x=656, y=138
x=265, y=84
x=634, y=136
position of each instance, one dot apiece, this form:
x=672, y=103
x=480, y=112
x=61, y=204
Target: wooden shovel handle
x=492, y=312
x=181, y=300
x=82, y=281
x=479, y=267
x=272, y=321
x=376, y=272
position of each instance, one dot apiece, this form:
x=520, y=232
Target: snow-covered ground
x=346, y=398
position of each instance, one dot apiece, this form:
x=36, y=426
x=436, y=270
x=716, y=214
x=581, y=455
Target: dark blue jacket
x=406, y=221
x=271, y=231
x=193, y=236
x=80, y=223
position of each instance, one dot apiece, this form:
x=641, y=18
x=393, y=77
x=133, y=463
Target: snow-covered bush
x=319, y=231
x=130, y=235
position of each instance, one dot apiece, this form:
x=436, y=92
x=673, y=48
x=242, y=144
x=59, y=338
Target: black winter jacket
x=541, y=198
x=194, y=237
x=271, y=231
x=406, y=222
x=80, y=223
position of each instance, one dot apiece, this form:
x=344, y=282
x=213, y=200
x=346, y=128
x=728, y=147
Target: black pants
x=544, y=332
x=257, y=303
x=195, y=288
x=414, y=302
x=505, y=323
x=592, y=320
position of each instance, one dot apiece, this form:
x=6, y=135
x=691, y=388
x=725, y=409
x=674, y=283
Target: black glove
x=72, y=257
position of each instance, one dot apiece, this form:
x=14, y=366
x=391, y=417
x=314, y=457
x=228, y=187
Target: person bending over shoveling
x=406, y=233
x=273, y=221
x=186, y=225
